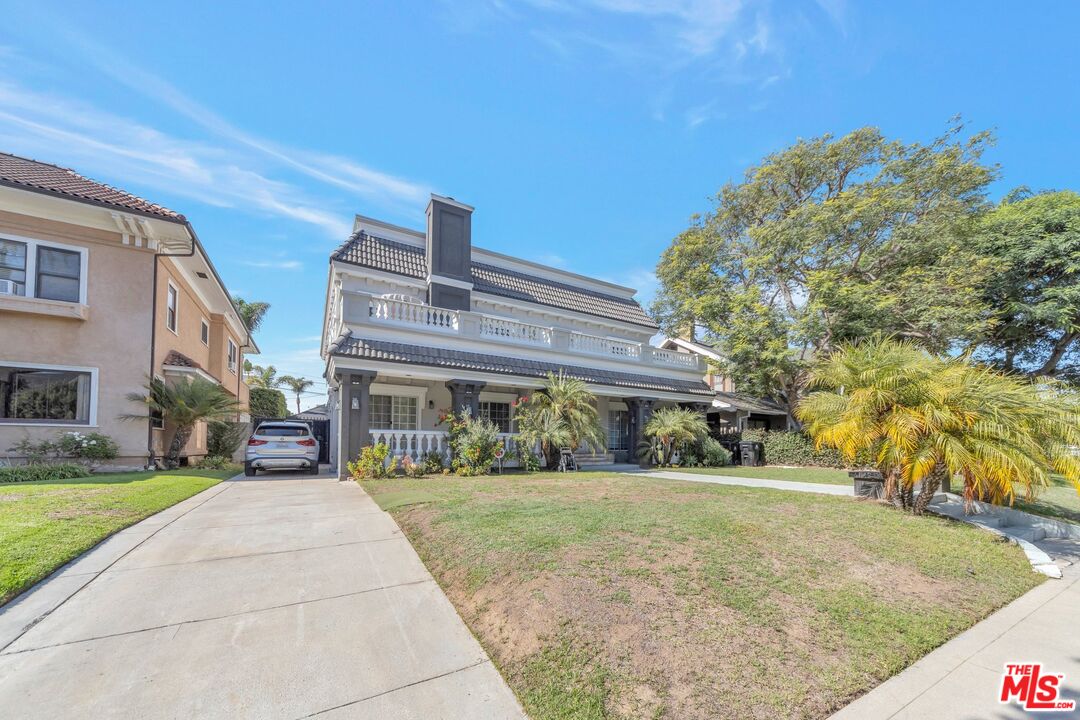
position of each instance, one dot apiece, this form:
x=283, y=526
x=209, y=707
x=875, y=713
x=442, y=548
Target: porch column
x=355, y=401
x=465, y=393
x=640, y=411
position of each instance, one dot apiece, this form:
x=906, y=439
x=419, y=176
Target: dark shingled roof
x=401, y=259
x=29, y=174
x=177, y=359
x=349, y=346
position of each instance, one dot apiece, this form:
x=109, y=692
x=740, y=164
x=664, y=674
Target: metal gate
x=319, y=428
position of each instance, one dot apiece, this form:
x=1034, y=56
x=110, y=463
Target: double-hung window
x=231, y=357
x=204, y=333
x=498, y=413
x=46, y=394
x=172, y=300
x=392, y=412
x=32, y=268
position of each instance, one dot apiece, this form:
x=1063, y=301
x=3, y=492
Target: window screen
x=13, y=264
x=58, y=274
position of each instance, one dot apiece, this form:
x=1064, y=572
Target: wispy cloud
x=109, y=146
x=274, y=264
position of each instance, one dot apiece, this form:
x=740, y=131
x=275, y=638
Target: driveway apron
x=275, y=597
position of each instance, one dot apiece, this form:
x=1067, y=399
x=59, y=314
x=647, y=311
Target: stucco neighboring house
x=100, y=289
x=418, y=322
x=730, y=411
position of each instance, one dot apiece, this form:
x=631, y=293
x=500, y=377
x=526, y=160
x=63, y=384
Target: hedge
x=31, y=473
x=267, y=403
x=791, y=447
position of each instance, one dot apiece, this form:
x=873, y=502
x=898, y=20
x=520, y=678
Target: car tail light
x=309, y=442
x=253, y=441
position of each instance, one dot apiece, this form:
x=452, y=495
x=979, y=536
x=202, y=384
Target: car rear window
x=282, y=431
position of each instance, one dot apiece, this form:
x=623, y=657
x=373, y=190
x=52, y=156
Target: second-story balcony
x=398, y=312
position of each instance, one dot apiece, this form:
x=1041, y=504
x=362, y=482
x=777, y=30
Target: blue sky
x=585, y=133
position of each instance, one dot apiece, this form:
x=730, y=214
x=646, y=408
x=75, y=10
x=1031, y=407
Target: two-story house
x=730, y=412
x=100, y=290
x=418, y=322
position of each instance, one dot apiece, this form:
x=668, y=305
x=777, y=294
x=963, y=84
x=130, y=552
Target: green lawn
x=602, y=596
x=45, y=524
x=1060, y=500
x=803, y=474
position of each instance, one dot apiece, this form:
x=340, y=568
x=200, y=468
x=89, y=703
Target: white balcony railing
x=596, y=345
x=514, y=331
x=678, y=359
x=400, y=312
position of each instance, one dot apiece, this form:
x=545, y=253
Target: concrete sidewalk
x=820, y=488
x=962, y=678
x=280, y=597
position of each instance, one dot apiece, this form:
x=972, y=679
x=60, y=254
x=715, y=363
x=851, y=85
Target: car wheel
x=313, y=469
x=249, y=470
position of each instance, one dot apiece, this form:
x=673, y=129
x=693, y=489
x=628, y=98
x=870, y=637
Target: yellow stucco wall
x=114, y=337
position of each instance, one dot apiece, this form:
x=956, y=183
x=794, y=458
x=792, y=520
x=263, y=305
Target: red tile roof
x=29, y=174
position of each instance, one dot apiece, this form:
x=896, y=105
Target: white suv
x=282, y=445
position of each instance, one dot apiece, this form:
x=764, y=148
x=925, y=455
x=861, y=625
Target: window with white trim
x=204, y=333
x=392, y=412
x=45, y=395
x=48, y=271
x=496, y=412
x=172, y=300
x=231, y=356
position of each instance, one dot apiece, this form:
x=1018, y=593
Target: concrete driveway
x=275, y=597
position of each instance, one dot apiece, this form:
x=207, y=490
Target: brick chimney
x=449, y=253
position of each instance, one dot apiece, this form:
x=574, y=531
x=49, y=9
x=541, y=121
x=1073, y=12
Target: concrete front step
x=1031, y=534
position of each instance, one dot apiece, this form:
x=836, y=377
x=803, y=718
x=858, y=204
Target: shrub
x=267, y=403
x=372, y=463
x=215, y=462
x=433, y=462
x=35, y=452
x=527, y=459
x=89, y=448
x=411, y=468
x=224, y=437
x=791, y=447
x=713, y=454
x=32, y=473
x=474, y=444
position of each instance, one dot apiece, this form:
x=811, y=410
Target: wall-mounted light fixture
x=356, y=403
x=430, y=404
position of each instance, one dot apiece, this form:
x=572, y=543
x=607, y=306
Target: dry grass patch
x=623, y=597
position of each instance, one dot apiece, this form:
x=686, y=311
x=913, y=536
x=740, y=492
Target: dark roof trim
x=383, y=351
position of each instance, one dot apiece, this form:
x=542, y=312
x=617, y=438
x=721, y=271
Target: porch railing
x=679, y=359
x=417, y=443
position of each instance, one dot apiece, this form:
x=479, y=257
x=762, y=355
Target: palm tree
x=562, y=414
x=252, y=313
x=925, y=419
x=264, y=377
x=183, y=404
x=672, y=428
x=298, y=385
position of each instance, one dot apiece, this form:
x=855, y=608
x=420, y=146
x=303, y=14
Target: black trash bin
x=868, y=483
x=751, y=453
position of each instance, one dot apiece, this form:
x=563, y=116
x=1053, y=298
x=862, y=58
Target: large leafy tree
x=263, y=377
x=924, y=419
x=828, y=240
x=1034, y=241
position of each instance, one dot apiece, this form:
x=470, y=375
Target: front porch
x=405, y=411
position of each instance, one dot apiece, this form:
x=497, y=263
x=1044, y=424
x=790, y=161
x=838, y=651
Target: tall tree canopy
x=1035, y=288
x=830, y=240
x=252, y=313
